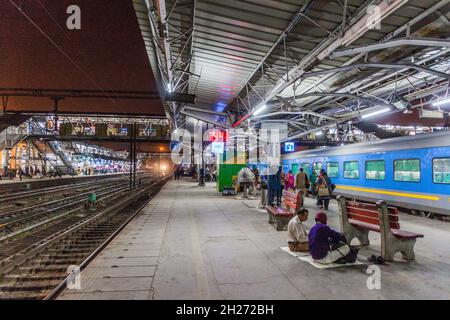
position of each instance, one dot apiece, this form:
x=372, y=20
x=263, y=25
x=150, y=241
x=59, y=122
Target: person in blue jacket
x=322, y=238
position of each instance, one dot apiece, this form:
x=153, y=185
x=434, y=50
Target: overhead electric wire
x=62, y=51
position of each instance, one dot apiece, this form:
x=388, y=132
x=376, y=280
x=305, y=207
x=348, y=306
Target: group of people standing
x=319, y=186
x=325, y=245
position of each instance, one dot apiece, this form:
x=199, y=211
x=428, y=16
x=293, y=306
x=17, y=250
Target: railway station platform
x=7, y=181
x=191, y=243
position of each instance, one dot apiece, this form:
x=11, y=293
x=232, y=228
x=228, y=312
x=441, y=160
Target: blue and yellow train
x=411, y=172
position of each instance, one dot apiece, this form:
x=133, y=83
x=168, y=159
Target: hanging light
x=376, y=113
x=260, y=109
x=442, y=102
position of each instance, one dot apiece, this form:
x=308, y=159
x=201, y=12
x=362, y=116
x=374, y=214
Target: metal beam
x=304, y=112
x=359, y=25
x=391, y=35
x=78, y=93
x=280, y=40
x=380, y=66
x=223, y=114
x=332, y=125
x=372, y=101
x=421, y=42
x=218, y=124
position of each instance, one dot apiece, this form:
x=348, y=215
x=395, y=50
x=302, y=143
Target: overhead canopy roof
x=105, y=58
x=238, y=55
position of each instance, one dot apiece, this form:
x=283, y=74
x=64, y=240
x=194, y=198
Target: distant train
x=411, y=172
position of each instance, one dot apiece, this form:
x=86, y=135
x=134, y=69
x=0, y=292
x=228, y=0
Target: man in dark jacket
x=321, y=237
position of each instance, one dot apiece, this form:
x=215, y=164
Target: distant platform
x=6, y=181
x=192, y=243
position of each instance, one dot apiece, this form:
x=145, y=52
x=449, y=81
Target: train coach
x=411, y=172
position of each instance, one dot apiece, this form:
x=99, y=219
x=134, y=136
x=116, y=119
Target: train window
x=305, y=167
x=294, y=168
x=375, y=170
x=441, y=170
x=333, y=169
x=317, y=166
x=351, y=169
x=407, y=170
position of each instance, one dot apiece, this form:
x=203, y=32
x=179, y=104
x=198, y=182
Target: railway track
x=11, y=195
x=37, y=267
x=40, y=184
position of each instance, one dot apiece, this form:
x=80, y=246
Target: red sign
x=218, y=136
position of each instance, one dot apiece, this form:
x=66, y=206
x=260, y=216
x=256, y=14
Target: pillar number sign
x=289, y=147
x=218, y=136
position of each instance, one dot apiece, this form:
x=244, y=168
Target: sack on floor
x=352, y=255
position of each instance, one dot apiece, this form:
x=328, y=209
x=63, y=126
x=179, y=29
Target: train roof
x=429, y=140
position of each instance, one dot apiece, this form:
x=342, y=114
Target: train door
x=294, y=168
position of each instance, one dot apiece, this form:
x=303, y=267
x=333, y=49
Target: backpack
x=350, y=257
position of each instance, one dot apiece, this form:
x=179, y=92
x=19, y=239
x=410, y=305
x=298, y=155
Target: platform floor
x=6, y=181
x=192, y=243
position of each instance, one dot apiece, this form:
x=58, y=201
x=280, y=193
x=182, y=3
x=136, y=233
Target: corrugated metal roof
x=37, y=51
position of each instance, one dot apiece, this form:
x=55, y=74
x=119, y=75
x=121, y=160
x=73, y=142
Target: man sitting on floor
x=322, y=238
x=298, y=232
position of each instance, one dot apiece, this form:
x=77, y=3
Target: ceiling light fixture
x=442, y=102
x=258, y=111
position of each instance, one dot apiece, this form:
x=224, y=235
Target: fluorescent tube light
x=258, y=111
x=442, y=102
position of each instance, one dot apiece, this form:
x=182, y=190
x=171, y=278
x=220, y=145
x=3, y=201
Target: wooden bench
x=281, y=216
x=358, y=218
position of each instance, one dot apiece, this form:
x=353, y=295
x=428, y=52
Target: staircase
x=54, y=155
x=12, y=136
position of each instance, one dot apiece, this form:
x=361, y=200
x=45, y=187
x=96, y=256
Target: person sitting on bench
x=322, y=238
x=298, y=232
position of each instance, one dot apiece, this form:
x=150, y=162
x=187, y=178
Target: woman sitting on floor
x=298, y=232
x=290, y=181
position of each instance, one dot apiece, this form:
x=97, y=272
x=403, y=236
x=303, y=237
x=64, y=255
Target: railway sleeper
x=55, y=262
x=74, y=250
x=63, y=256
x=39, y=269
x=99, y=229
x=80, y=243
x=34, y=277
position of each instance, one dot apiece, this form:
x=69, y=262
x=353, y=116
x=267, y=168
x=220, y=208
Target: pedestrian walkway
x=192, y=243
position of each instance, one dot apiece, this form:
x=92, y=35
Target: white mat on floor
x=311, y=261
x=305, y=256
x=295, y=254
